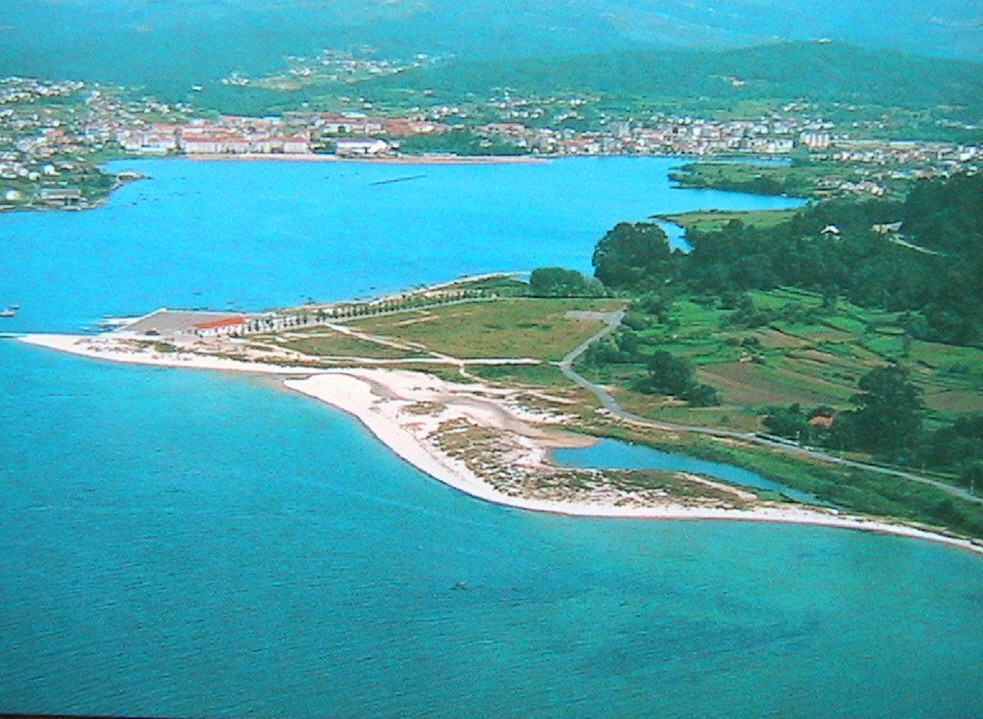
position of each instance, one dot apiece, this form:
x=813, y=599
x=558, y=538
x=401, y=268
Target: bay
x=180, y=543
x=255, y=235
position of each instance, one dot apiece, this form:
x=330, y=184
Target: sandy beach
x=484, y=441
x=110, y=349
x=375, y=397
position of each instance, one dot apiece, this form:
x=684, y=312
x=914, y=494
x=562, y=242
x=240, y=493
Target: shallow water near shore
x=611, y=454
x=190, y=543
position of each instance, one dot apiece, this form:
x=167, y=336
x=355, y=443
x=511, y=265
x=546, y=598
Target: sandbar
x=416, y=414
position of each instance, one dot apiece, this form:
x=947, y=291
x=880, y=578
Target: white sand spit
x=411, y=413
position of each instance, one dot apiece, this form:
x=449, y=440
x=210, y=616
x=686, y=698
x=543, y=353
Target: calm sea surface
x=180, y=543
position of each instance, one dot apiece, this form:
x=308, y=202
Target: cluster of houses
x=26, y=89
x=669, y=136
x=298, y=133
x=354, y=134
x=49, y=130
x=292, y=134
x=902, y=152
x=45, y=142
x=329, y=66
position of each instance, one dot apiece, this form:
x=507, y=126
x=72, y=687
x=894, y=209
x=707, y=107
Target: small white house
x=362, y=147
x=220, y=328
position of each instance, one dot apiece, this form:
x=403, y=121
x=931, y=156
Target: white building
x=362, y=147
x=815, y=140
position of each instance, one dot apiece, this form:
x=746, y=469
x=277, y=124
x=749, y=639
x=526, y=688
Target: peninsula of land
x=489, y=438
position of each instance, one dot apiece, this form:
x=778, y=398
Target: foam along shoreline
x=405, y=410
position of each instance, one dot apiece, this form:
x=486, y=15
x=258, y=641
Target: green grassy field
x=529, y=328
x=814, y=359
x=706, y=220
x=537, y=375
x=804, y=179
x=323, y=342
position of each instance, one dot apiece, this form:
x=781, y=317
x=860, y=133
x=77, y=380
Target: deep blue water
x=182, y=543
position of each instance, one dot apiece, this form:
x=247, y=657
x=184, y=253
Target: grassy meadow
x=539, y=329
x=812, y=356
x=708, y=220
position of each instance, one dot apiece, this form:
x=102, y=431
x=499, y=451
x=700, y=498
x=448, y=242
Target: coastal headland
x=491, y=440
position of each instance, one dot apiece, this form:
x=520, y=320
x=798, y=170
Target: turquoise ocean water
x=181, y=543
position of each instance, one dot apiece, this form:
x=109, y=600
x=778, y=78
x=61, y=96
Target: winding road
x=613, y=321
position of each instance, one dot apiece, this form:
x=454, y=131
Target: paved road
x=611, y=404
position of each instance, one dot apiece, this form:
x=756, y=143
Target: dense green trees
x=888, y=414
x=929, y=270
x=886, y=421
x=751, y=179
x=667, y=374
x=633, y=256
x=946, y=216
x=559, y=282
x=459, y=142
x=932, y=269
x=671, y=375
x=792, y=423
x=957, y=448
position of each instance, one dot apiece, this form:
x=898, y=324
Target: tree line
x=923, y=256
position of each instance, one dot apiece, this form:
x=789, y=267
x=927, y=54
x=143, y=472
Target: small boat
x=8, y=312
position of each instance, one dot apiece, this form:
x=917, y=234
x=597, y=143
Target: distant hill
x=823, y=73
x=168, y=46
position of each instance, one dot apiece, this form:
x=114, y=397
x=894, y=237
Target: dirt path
x=612, y=405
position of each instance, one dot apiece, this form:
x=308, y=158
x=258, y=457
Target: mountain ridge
x=170, y=45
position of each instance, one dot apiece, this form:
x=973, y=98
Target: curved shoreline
x=341, y=393
x=383, y=399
